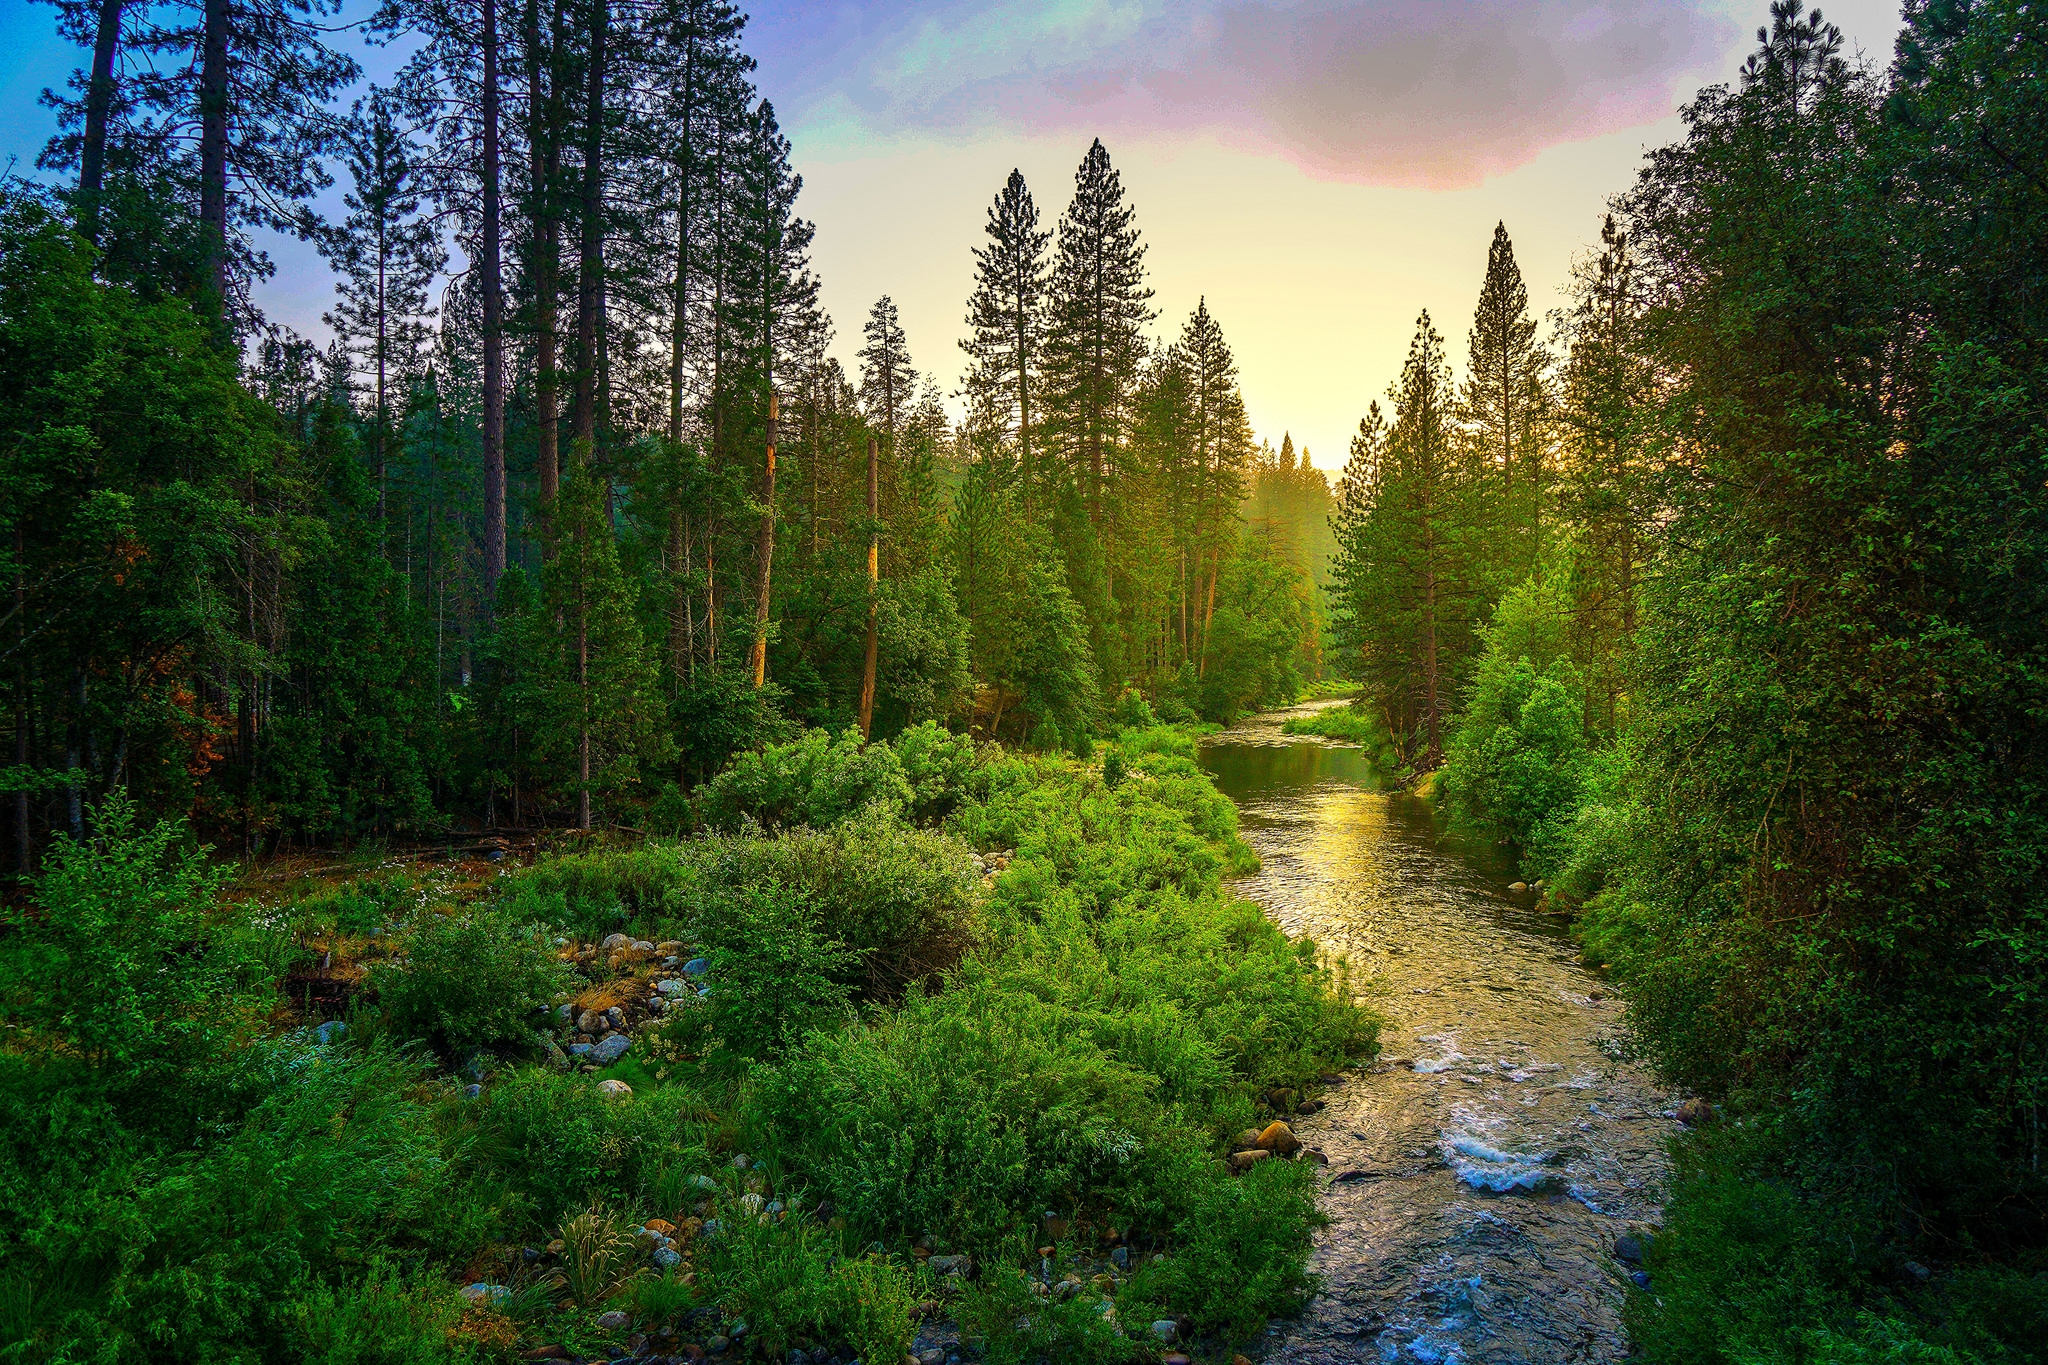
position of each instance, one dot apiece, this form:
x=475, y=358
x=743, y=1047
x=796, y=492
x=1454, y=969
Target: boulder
x=661, y=1227
x=667, y=1258
x=641, y=945
x=1248, y=1138
x=590, y=1021
x=668, y=947
x=672, y=987
x=1244, y=1161
x=1308, y=1107
x=330, y=1031
x=613, y=1047
x=617, y=1320
x=1629, y=1248
x=1282, y=1100
x=614, y=1090
x=697, y=966
x=1278, y=1139
x=614, y=942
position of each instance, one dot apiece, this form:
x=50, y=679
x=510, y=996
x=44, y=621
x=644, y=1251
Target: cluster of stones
x=1277, y=1139
x=666, y=975
x=989, y=866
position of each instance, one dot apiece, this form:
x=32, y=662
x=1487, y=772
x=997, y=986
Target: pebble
x=614, y=1090
x=610, y=1049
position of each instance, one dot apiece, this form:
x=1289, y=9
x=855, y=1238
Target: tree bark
x=590, y=253
x=213, y=149
x=99, y=107
x=764, y=550
x=546, y=259
x=867, y=669
x=493, y=320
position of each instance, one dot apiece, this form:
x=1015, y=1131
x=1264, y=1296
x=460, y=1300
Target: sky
x=1319, y=170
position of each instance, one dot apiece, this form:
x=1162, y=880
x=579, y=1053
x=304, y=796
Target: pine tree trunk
x=590, y=254
x=546, y=229
x=493, y=320
x=764, y=551
x=582, y=696
x=99, y=107
x=213, y=149
x=867, y=670
x=24, y=843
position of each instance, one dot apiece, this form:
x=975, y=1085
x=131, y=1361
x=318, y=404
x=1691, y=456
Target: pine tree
x=1505, y=403
x=387, y=257
x=887, y=380
x=1097, y=310
x=1005, y=315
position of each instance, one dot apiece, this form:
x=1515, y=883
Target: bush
x=939, y=766
x=1517, y=755
x=561, y=1146
x=871, y=1303
x=774, y=972
x=777, y=1274
x=1132, y=711
x=900, y=899
x=121, y=958
x=1241, y=1257
x=378, y=1319
x=1015, y=1326
x=470, y=981
x=815, y=780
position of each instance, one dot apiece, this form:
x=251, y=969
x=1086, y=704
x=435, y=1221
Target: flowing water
x=1480, y=1174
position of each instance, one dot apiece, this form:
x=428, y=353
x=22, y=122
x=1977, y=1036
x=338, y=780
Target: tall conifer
x=1005, y=315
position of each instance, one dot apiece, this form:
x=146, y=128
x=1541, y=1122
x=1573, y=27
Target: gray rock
x=713, y=1227
x=641, y=945
x=581, y=1051
x=697, y=966
x=590, y=1021
x=951, y=1265
x=617, y=1320
x=1165, y=1330
x=1918, y=1271
x=657, y=1005
x=703, y=1182
x=797, y=1357
x=486, y=1293
x=740, y=1162
x=614, y=1090
x=1121, y=1258
x=1628, y=1249
x=617, y=1016
x=610, y=1049
x=718, y=1345
x=470, y=1092
x=1641, y=1278
x=613, y=942
x=566, y=1014
x=329, y=1031
x=667, y=1258
x=672, y=987
x=933, y=1356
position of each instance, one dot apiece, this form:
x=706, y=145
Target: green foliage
x=775, y=974
x=379, y=1319
x=870, y=1307
x=778, y=1275
x=1014, y=1325
x=120, y=957
x=815, y=780
x=469, y=981
x=559, y=1145
x=599, y=1256
x=939, y=766
x=1517, y=754
x=1263, y=625
x=1242, y=1260
x=899, y=899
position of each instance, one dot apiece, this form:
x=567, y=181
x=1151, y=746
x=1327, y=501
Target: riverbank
x=959, y=1052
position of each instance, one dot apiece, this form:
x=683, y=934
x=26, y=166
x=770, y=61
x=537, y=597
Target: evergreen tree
x=1504, y=403
x=887, y=380
x=1006, y=322
x=1096, y=310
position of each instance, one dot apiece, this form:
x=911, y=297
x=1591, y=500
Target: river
x=1480, y=1174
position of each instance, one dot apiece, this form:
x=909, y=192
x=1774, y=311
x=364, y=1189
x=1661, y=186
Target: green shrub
x=1240, y=1257
x=775, y=973
x=600, y=1256
x=122, y=958
x=380, y=1318
x=814, y=780
x=938, y=765
x=871, y=1303
x=1132, y=711
x=470, y=981
x=1517, y=753
x=900, y=899
x=1014, y=1325
x=777, y=1274
x=560, y=1146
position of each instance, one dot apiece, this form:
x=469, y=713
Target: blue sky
x=1319, y=170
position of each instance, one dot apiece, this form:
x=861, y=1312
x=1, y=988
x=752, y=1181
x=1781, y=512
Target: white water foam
x=1475, y=1158
x=1431, y=1065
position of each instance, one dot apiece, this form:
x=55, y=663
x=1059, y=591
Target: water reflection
x=1477, y=1187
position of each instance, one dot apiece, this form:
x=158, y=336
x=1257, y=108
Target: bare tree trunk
x=99, y=106
x=867, y=668
x=765, y=549
x=213, y=148
x=546, y=260
x=493, y=321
